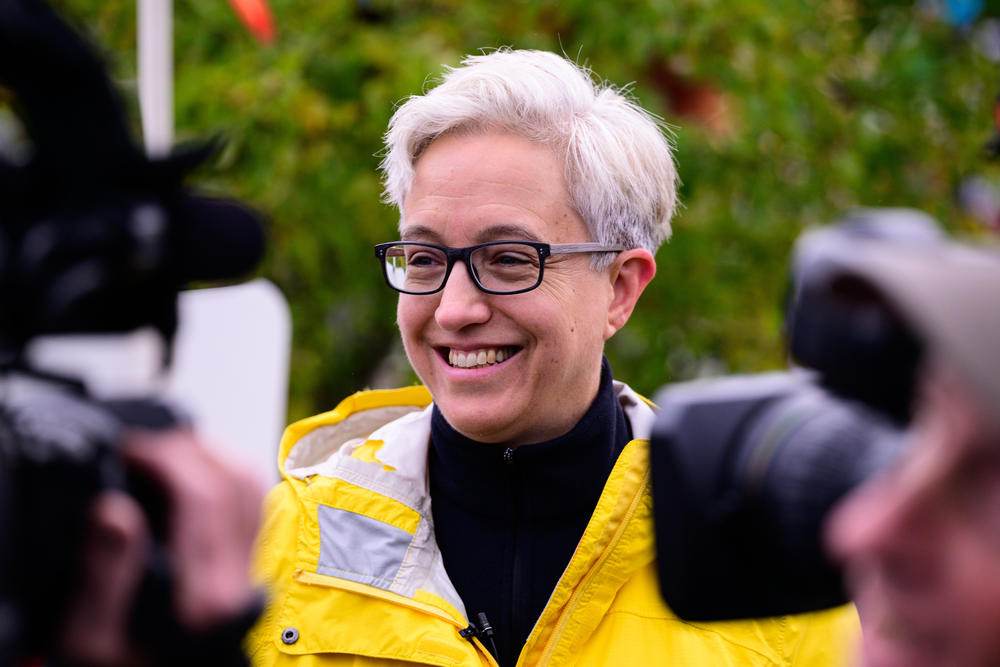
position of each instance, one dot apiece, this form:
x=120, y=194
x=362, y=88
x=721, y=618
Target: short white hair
x=619, y=166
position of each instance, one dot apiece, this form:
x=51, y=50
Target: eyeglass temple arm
x=570, y=248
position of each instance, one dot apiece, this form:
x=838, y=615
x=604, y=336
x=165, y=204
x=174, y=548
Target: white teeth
x=479, y=358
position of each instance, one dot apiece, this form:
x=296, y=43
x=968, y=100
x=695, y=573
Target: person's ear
x=629, y=275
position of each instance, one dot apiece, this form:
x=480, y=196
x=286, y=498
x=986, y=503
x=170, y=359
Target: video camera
x=94, y=238
x=744, y=469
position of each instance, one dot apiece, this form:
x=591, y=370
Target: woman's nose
x=461, y=302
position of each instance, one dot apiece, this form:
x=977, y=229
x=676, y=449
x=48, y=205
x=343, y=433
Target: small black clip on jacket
x=484, y=630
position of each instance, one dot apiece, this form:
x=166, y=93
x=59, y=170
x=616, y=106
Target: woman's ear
x=629, y=275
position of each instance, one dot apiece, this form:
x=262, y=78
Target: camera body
x=56, y=453
x=745, y=468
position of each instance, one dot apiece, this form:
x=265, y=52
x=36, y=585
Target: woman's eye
x=513, y=259
x=506, y=258
x=510, y=260
x=422, y=259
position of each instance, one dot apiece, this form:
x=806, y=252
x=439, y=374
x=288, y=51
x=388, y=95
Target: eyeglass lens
x=505, y=267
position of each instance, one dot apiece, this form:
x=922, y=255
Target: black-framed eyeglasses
x=497, y=267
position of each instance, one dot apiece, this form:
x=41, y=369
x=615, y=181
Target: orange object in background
x=688, y=98
x=256, y=16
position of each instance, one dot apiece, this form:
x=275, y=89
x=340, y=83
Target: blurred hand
x=211, y=518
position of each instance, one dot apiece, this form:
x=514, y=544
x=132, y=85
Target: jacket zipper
x=516, y=602
x=574, y=599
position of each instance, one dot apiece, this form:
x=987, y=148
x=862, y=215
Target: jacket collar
x=401, y=421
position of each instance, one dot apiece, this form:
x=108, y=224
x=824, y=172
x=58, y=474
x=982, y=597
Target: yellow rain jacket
x=348, y=552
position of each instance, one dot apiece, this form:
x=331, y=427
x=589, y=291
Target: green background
x=787, y=114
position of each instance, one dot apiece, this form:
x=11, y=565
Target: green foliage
x=824, y=106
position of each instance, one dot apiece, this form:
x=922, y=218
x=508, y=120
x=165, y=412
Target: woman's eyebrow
x=506, y=232
x=420, y=233
x=500, y=232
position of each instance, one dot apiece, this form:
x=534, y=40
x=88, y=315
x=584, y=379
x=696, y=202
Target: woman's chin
x=483, y=420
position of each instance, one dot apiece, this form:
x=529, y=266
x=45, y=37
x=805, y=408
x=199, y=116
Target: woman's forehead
x=472, y=189
x=502, y=166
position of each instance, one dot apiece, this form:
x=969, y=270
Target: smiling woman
x=502, y=514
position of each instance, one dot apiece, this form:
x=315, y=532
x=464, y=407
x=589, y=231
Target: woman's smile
x=480, y=357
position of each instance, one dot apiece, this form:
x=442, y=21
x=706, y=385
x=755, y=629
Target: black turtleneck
x=508, y=520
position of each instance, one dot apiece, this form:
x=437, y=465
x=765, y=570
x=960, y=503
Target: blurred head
x=921, y=543
x=522, y=146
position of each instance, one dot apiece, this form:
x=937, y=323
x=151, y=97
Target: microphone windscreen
x=217, y=239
